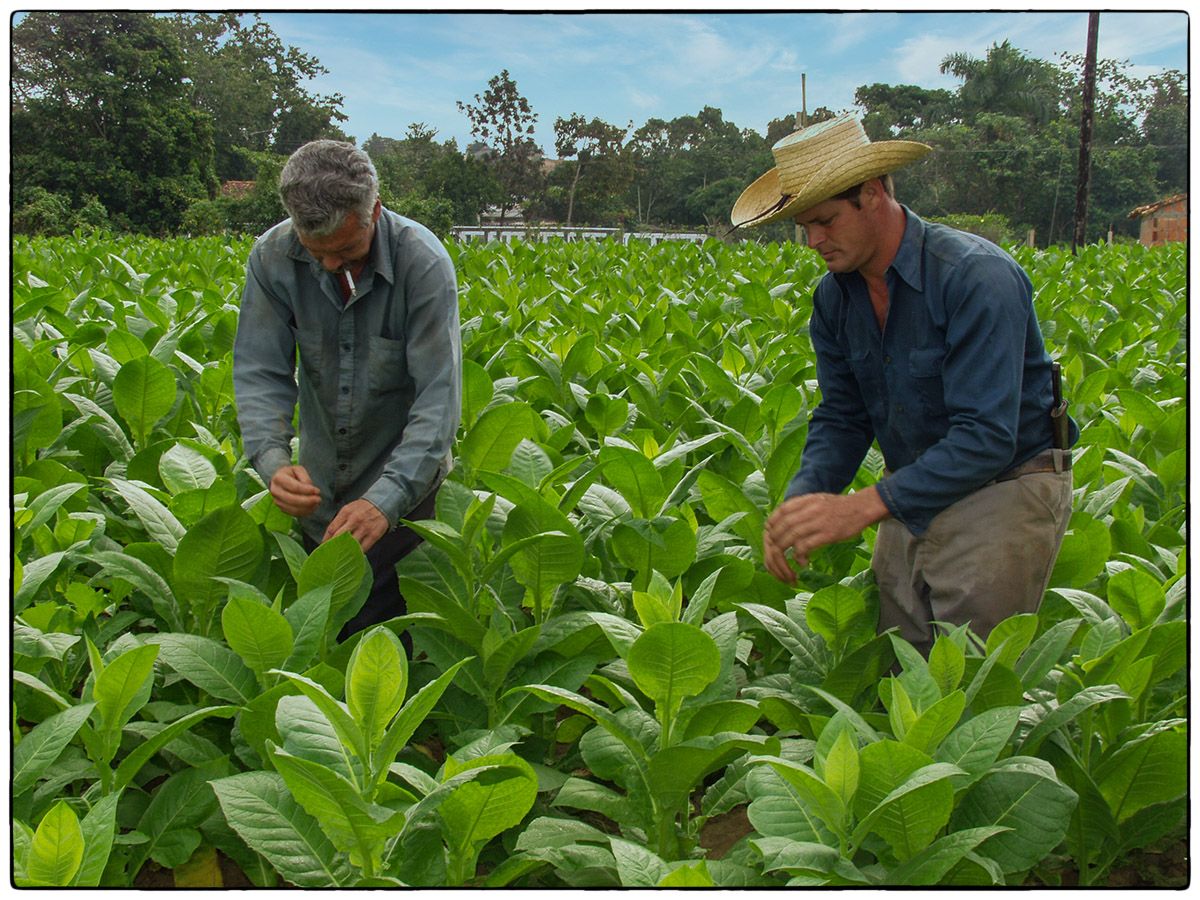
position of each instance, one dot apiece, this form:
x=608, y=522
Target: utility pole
x=1085, y=133
x=801, y=122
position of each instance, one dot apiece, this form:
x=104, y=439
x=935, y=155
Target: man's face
x=346, y=248
x=840, y=232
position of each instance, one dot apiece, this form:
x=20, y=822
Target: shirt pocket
x=925, y=369
x=387, y=365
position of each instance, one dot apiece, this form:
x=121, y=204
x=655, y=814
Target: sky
x=394, y=69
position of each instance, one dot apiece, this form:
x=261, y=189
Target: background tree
x=430, y=181
x=252, y=87
x=101, y=108
x=504, y=122
x=598, y=149
x=1005, y=81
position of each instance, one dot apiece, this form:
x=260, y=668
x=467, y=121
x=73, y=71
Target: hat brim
x=764, y=202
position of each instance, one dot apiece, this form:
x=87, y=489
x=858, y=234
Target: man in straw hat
x=370, y=299
x=926, y=342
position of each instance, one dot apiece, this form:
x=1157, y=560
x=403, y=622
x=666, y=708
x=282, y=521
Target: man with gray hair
x=369, y=298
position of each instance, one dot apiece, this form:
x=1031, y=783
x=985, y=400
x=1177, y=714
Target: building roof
x=236, y=188
x=1143, y=211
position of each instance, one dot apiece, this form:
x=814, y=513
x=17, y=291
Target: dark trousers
x=385, y=600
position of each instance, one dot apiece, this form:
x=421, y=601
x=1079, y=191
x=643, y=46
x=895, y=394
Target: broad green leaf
x=224, y=543
x=722, y=498
x=931, y=864
x=1060, y=714
x=822, y=800
x=932, y=726
x=841, y=768
x=1137, y=597
x=490, y=442
x=107, y=429
x=340, y=564
x=260, y=809
x=99, y=828
x=376, y=682
x=32, y=575
x=258, y=634
x=1024, y=795
x=57, y=849
x=637, y=866
x=306, y=618
x=209, y=665
x=508, y=653
x=839, y=614
x=353, y=826
x=176, y=809
x=911, y=815
x=119, y=564
x=124, y=686
x=495, y=801
x=335, y=713
x=307, y=733
x=1151, y=770
x=37, y=751
x=636, y=478
x=819, y=864
x=672, y=661
x=688, y=875
x=144, y=391
x=978, y=742
x=185, y=468
x=665, y=544
x=677, y=771
x=1084, y=550
x=43, y=507
x=1011, y=637
x=947, y=664
x=140, y=755
x=37, y=644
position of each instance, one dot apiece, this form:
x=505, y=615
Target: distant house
x=236, y=189
x=1164, y=221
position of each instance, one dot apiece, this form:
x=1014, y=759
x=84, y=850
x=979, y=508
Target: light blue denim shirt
x=379, y=380
x=955, y=388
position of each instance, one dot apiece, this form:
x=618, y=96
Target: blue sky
x=398, y=68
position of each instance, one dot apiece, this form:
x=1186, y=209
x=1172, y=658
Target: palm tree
x=1006, y=81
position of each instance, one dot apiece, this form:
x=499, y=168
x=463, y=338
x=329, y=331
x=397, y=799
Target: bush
x=205, y=217
x=992, y=226
x=41, y=212
x=92, y=216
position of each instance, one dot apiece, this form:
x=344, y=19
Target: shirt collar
x=907, y=264
x=379, y=261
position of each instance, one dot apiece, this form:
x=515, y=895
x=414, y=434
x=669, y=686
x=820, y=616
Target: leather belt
x=1043, y=462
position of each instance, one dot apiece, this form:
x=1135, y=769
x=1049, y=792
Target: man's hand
x=362, y=519
x=294, y=492
x=807, y=523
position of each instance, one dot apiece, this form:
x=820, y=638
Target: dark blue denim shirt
x=955, y=387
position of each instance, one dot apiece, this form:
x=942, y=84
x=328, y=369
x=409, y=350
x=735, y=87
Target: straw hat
x=816, y=163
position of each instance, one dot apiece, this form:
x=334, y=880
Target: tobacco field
x=604, y=674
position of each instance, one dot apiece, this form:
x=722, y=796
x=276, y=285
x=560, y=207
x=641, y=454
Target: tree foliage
x=502, y=119
x=251, y=86
x=101, y=109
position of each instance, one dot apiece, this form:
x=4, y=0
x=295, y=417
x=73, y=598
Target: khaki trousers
x=983, y=559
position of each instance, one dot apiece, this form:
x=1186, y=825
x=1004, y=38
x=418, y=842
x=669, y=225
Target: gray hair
x=323, y=182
